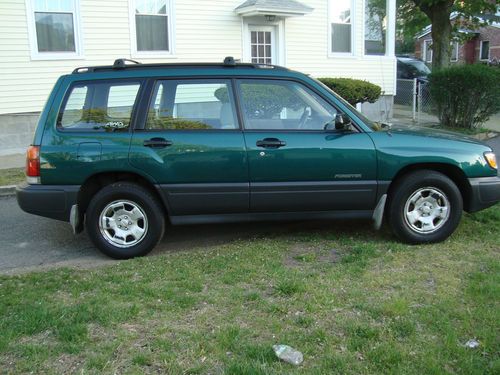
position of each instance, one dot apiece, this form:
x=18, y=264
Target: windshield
x=419, y=67
x=375, y=126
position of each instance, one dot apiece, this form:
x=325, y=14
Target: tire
x=424, y=207
x=124, y=220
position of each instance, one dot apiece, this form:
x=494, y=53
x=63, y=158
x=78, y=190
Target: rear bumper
x=485, y=192
x=52, y=201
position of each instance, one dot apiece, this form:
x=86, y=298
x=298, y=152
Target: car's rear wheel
x=424, y=206
x=124, y=220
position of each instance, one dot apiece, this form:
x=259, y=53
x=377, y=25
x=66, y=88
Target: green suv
x=121, y=149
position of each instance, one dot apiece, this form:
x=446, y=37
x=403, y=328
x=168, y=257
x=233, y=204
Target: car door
x=297, y=161
x=191, y=144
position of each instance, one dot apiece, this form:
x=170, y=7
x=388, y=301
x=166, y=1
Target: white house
x=43, y=39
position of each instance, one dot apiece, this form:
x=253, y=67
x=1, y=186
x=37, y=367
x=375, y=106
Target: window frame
x=120, y=82
x=481, y=50
x=454, y=58
x=356, y=128
x=332, y=54
x=150, y=92
x=424, y=49
x=170, y=14
x=33, y=40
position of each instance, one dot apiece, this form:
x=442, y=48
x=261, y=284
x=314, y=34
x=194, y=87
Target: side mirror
x=342, y=122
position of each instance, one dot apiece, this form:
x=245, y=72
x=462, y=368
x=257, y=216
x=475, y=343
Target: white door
x=263, y=49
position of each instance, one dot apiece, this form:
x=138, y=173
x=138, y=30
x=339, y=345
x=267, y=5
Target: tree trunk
x=441, y=34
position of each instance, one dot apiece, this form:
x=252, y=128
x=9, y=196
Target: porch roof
x=283, y=8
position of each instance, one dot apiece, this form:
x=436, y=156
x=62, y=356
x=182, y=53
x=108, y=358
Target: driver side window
x=283, y=105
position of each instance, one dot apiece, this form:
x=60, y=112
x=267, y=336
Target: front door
x=296, y=161
x=263, y=45
x=191, y=144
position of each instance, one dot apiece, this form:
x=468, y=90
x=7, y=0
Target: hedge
x=353, y=90
x=465, y=95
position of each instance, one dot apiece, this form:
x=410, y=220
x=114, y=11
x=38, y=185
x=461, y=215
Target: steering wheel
x=304, y=118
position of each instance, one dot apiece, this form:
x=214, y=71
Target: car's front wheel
x=425, y=206
x=124, y=220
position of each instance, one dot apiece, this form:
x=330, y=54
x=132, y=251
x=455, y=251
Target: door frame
x=278, y=26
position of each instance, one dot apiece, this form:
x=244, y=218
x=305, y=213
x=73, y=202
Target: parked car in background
x=121, y=149
x=409, y=69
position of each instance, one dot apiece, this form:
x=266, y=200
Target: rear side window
x=99, y=106
x=192, y=105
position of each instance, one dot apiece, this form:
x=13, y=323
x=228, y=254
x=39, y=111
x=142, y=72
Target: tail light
x=33, y=165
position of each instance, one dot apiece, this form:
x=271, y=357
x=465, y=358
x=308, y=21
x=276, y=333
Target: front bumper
x=485, y=192
x=52, y=201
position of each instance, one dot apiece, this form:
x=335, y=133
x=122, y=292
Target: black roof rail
x=122, y=64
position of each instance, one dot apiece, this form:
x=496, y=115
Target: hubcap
x=123, y=223
x=427, y=210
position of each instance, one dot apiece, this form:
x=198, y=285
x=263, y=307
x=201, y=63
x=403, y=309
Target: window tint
x=97, y=106
x=206, y=104
x=283, y=105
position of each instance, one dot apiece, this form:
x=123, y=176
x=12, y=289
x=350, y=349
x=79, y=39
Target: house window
x=427, y=55
x=375, y=27
x=454, y=51
x=152, y=24
x=341, y=32
x=484, y=53
x=54, y=31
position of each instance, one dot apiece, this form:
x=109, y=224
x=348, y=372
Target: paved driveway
x=29, y=242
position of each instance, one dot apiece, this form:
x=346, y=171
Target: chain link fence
x=413, y=103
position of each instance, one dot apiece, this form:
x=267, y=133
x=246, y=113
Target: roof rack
x=120, y=64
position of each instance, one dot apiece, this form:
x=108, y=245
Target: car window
x=99, y=106
x=192, y=105
x=283, y=105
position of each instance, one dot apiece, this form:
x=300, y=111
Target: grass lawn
x=12, y=176
x=354, y=301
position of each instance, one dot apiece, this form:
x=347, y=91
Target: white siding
x=204, y=31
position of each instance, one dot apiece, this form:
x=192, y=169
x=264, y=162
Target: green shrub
x=353, y=90
x=465, y=95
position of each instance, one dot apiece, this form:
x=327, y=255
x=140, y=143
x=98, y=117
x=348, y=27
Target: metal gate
x=412, y=102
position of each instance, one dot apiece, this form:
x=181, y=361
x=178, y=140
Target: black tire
x=409, y=186
x=152, y=222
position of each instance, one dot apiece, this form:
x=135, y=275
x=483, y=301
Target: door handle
x=270, y=143
x=157, y=143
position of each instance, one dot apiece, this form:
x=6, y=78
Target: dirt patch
x=67, y=364
x=302, y=254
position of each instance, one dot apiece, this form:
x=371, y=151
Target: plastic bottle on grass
x=288, y=354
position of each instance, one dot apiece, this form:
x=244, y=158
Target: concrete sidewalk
x=403, y=115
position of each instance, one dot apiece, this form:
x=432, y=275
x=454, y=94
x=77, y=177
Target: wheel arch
x=451, y=171
x=97, y=181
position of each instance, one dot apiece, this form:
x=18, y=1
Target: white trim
x=390, y=35
x=424, y=50
x=330, y=53
x=134, y=53
x=481, y=50
x=454, y=58
x=33, y=42
x=254, y=10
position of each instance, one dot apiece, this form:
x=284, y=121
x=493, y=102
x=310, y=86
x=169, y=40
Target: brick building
x=483, y=44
